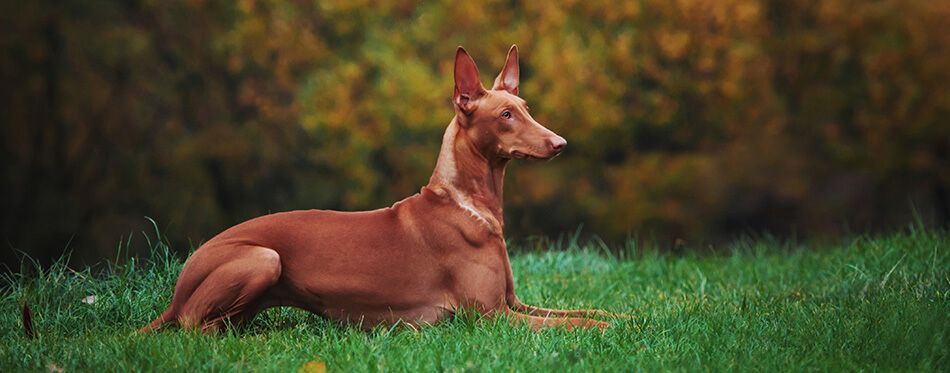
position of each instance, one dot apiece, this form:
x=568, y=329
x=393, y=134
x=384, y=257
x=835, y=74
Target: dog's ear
x=468, y=87
x=510, y=74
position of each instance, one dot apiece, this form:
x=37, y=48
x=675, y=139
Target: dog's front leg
x=517, y=306
x=568, y=323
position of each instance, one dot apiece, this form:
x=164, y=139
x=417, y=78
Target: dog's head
x=497, y=121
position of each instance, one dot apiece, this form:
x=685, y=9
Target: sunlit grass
x=878, y=303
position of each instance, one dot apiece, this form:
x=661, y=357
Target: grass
x=872, y=303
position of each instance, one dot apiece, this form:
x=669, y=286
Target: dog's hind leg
x=165, y=318
x=236, y=279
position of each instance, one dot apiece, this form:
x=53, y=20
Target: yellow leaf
x=313, y=367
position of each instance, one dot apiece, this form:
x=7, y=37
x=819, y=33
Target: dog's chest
x=481, y=279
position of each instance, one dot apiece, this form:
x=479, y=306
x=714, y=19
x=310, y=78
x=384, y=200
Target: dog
x=417, y=262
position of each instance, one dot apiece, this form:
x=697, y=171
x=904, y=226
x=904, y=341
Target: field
x=867, y=303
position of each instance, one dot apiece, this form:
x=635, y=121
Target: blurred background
x=696, y=120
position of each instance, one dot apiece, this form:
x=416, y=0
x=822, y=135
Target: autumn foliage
x=694, y=119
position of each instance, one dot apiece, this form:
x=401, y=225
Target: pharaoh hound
x=428, y=256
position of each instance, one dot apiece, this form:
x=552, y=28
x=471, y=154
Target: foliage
x=698, y=119
x=872, y=303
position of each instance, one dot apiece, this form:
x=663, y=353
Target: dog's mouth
x=517, y=154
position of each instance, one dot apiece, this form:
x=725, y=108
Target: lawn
x=868, y=303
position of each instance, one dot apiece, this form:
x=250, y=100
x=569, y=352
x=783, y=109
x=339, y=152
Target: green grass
x=872, y=303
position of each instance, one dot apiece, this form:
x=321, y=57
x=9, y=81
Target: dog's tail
x=27, y=317
x=166, y=317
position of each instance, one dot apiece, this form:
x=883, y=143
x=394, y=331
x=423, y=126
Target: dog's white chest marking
x=446, y=170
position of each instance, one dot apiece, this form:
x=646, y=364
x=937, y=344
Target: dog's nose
x=557, y=143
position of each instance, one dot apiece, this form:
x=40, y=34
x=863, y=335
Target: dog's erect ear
x=510, y=74
x=468, y=87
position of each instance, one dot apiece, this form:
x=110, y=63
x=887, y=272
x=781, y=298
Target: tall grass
x=874, y=302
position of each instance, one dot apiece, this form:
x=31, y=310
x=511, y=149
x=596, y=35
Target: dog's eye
x=506, y=114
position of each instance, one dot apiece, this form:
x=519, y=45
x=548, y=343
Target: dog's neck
x=472, y=181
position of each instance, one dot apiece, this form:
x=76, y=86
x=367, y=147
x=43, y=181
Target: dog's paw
x=599, y=325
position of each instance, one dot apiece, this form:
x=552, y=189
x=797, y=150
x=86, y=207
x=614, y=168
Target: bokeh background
x=694, y=121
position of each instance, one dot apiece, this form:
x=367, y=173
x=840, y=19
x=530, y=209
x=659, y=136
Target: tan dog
x=418, y=262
